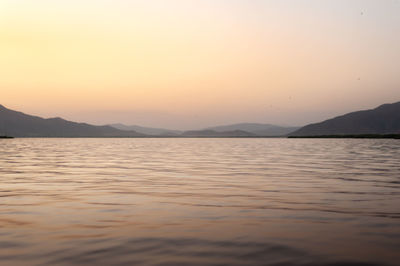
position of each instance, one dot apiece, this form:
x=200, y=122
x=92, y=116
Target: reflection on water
x=199, y=202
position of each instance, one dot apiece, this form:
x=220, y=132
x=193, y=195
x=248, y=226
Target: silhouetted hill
x=18, y=124
x=148, y=130
x=384, y=119
x=256, y=129
x=213, y=133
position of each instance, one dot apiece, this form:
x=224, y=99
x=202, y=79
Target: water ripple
x=199, y=202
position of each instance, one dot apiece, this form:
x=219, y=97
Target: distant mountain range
x=148, y=130
x=384, y=119
x=233, y=130
x=213, y=133
x=257, y=129
x=18, y=124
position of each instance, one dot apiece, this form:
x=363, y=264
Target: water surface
x=199, y=202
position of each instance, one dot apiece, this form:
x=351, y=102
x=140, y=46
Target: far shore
x=359, y=136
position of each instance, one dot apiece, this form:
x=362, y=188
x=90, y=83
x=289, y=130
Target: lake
x=200, y=202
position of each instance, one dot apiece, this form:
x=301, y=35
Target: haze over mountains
x=147, y=130
x=384, y=119
x=212, y=133
x=18, y=124
x=240, y=129
x=257, y=129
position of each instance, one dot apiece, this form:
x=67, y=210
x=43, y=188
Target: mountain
x=148, y=130
x=213, y=133
x=18, y=124
x=251, y=129
x=256, y=129
x=384, y=119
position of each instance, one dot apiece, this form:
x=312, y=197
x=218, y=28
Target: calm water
x=199, y=202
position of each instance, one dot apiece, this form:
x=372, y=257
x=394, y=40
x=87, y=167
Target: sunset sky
x=193, y=63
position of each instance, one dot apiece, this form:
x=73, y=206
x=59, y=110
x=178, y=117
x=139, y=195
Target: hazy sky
x=194, y=63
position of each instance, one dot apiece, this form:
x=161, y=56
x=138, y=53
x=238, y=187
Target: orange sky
x=194, y=63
